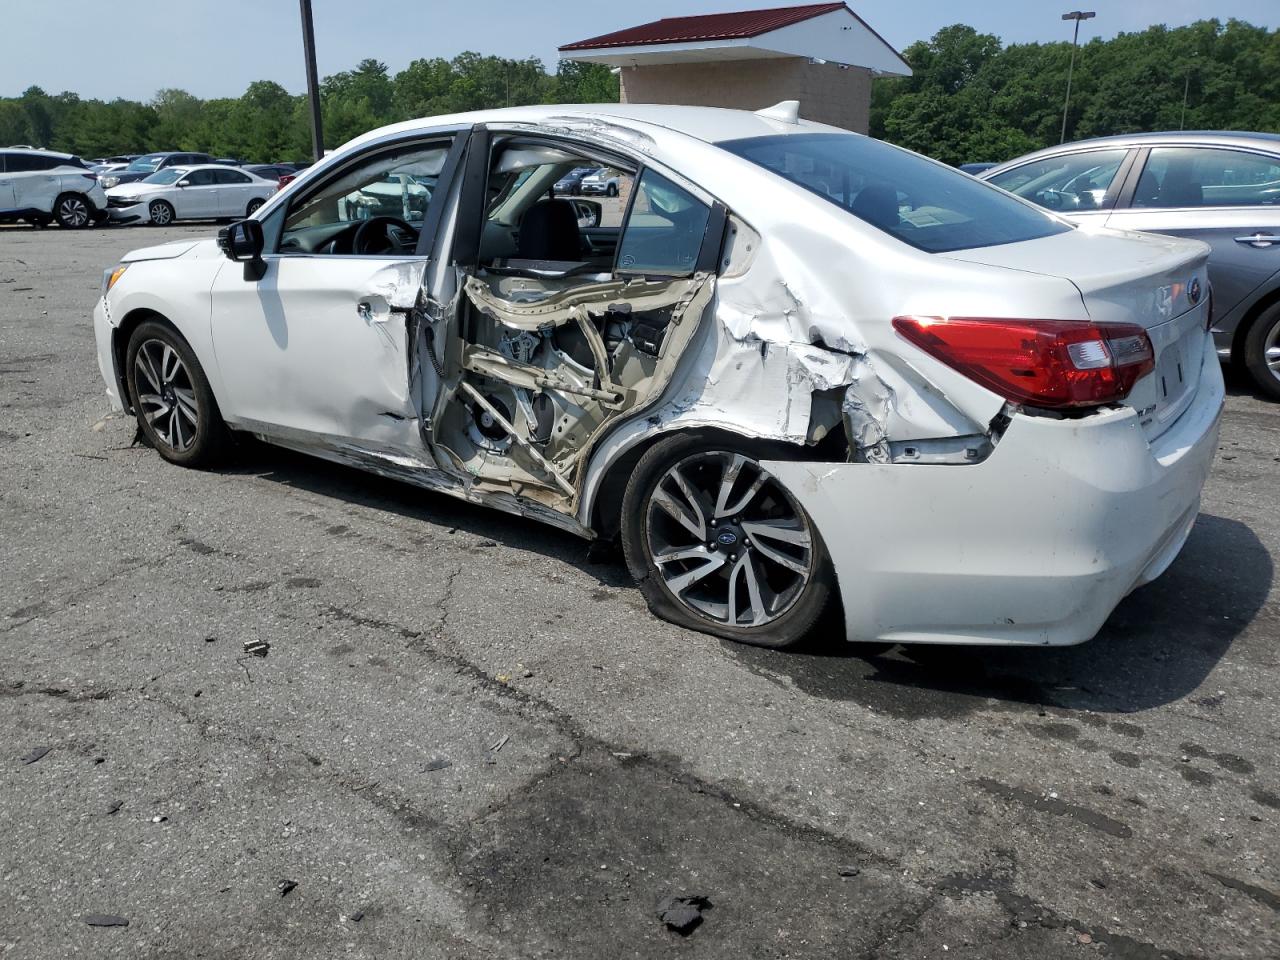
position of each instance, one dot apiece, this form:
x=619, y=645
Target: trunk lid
x=1159, y=283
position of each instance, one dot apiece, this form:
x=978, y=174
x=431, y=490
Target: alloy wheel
x=161, y=214
x=730, y=543
x=73, y=212
x=1271, y=349
x=169, y=405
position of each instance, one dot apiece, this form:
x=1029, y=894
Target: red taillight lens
x=1042, y=363
x=89, y=176
x=288, y=178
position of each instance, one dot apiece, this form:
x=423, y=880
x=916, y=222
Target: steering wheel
x=375, y=236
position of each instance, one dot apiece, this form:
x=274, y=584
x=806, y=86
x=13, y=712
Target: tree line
x=268, y=123
x=971, y=97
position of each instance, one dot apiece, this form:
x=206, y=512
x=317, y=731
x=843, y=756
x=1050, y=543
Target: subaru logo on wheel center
x=727, y=538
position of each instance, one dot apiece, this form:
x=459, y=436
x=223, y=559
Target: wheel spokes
x=689, y=514
x=681, y=582
x=147, y=367
x=729, y=479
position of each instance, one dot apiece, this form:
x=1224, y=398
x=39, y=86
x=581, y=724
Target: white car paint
x=1032, y=543
x=35, y=192
x=186, y=193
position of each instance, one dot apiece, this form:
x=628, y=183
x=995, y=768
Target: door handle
x=1260, y=240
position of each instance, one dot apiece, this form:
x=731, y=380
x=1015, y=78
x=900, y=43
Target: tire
x=171, y=398
x=73, y=211
x=612, y=190
x=253, y=206
x=784, y=582
x=161, y=213
x=1262, y=351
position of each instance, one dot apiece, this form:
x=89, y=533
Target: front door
x=317, y=350
x=196, y=195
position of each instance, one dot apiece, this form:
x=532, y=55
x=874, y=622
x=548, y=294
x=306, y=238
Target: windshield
x=931, y=207
x=168, y=175
x=145, y=164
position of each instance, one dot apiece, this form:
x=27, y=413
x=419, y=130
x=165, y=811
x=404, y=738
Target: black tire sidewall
x=253, y=207
x=788, y=630
x=1255, y=360
x=211, y=432
x=161, y=203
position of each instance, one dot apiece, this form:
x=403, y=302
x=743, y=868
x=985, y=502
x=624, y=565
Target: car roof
x=37, y=152
x=709, y=124
x=1214, y=138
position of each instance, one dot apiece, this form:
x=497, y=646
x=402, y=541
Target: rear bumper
x=1035, y=545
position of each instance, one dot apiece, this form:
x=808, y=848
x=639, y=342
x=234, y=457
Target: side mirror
x=589, y=213
x=243, y=242
x=183, y=183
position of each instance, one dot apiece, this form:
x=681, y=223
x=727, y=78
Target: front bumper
x=103, y=331
x=1035, y=545
x=133, y=213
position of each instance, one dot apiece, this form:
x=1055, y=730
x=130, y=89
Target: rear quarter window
x=929, y=206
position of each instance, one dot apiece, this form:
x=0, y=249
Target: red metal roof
x=712, y=26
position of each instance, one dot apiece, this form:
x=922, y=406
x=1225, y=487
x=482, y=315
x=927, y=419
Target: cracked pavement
x=471, y=735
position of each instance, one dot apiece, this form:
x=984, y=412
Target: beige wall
x=826, y=92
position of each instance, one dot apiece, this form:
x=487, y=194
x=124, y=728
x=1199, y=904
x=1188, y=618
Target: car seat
x=549, y=231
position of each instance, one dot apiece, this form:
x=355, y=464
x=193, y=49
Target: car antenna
x=788, y=111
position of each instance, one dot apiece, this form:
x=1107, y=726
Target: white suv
x=40, y=186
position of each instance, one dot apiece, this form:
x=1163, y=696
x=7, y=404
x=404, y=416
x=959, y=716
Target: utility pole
x=313, y=84
x=1077, y=16
x=1186, y=88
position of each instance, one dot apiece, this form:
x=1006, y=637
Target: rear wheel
x=1262, y=351
x=72, y=211
x=161, y=212
x=718, y=545
x=612, y=190
x=171, y=397
x=253, y=206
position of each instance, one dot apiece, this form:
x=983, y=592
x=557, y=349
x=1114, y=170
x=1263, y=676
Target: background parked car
x=270, y=171
x=287, y=178
x=604, y=182
x=973, y=169
x=40, y=186
x=571, y=183
x=1222, y=188
x=142, y=167
x=207, y=192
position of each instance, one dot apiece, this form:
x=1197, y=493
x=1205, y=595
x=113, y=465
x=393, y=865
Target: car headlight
x=108, y=182
x=110, y=276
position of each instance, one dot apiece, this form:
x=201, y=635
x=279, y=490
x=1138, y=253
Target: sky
x=127, y=48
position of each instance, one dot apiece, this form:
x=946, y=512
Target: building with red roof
x=822, y=54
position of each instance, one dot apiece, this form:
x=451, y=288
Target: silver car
x=1222, y=188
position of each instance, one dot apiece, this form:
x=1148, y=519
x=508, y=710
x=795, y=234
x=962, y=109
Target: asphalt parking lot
x=470, y=739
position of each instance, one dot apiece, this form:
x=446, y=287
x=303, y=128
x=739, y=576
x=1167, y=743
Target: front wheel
x=171, y=397
x=1262, y=351
x=718, y=545
x=161, y=213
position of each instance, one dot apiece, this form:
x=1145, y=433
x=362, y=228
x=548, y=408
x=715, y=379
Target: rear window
x=931, y=207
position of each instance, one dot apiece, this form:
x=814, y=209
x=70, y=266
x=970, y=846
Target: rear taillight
x=89, y=176
x=1042, y=363
x=288, y=178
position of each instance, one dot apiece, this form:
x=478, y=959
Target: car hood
x=1122, y=276
x=164, y=251
x=135, y=189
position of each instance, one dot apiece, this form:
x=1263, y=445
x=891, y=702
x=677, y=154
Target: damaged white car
x=805, y=369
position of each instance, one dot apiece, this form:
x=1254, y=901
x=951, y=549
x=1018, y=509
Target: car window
x=664, y=228
x=398, y=183
x=145, y=164
x=164, y=176
x=229, y=176
x=201, y=178
x=1067, y=182
x=1206, y=177
x=931, y=207
x=21, y=163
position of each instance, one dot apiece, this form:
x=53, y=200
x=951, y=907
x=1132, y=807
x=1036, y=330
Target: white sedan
x=204, y=192
x=808, y=371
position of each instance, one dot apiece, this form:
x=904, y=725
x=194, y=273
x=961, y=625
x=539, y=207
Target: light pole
x=313, y=85
x=1077, y=16
x=1186, y=89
